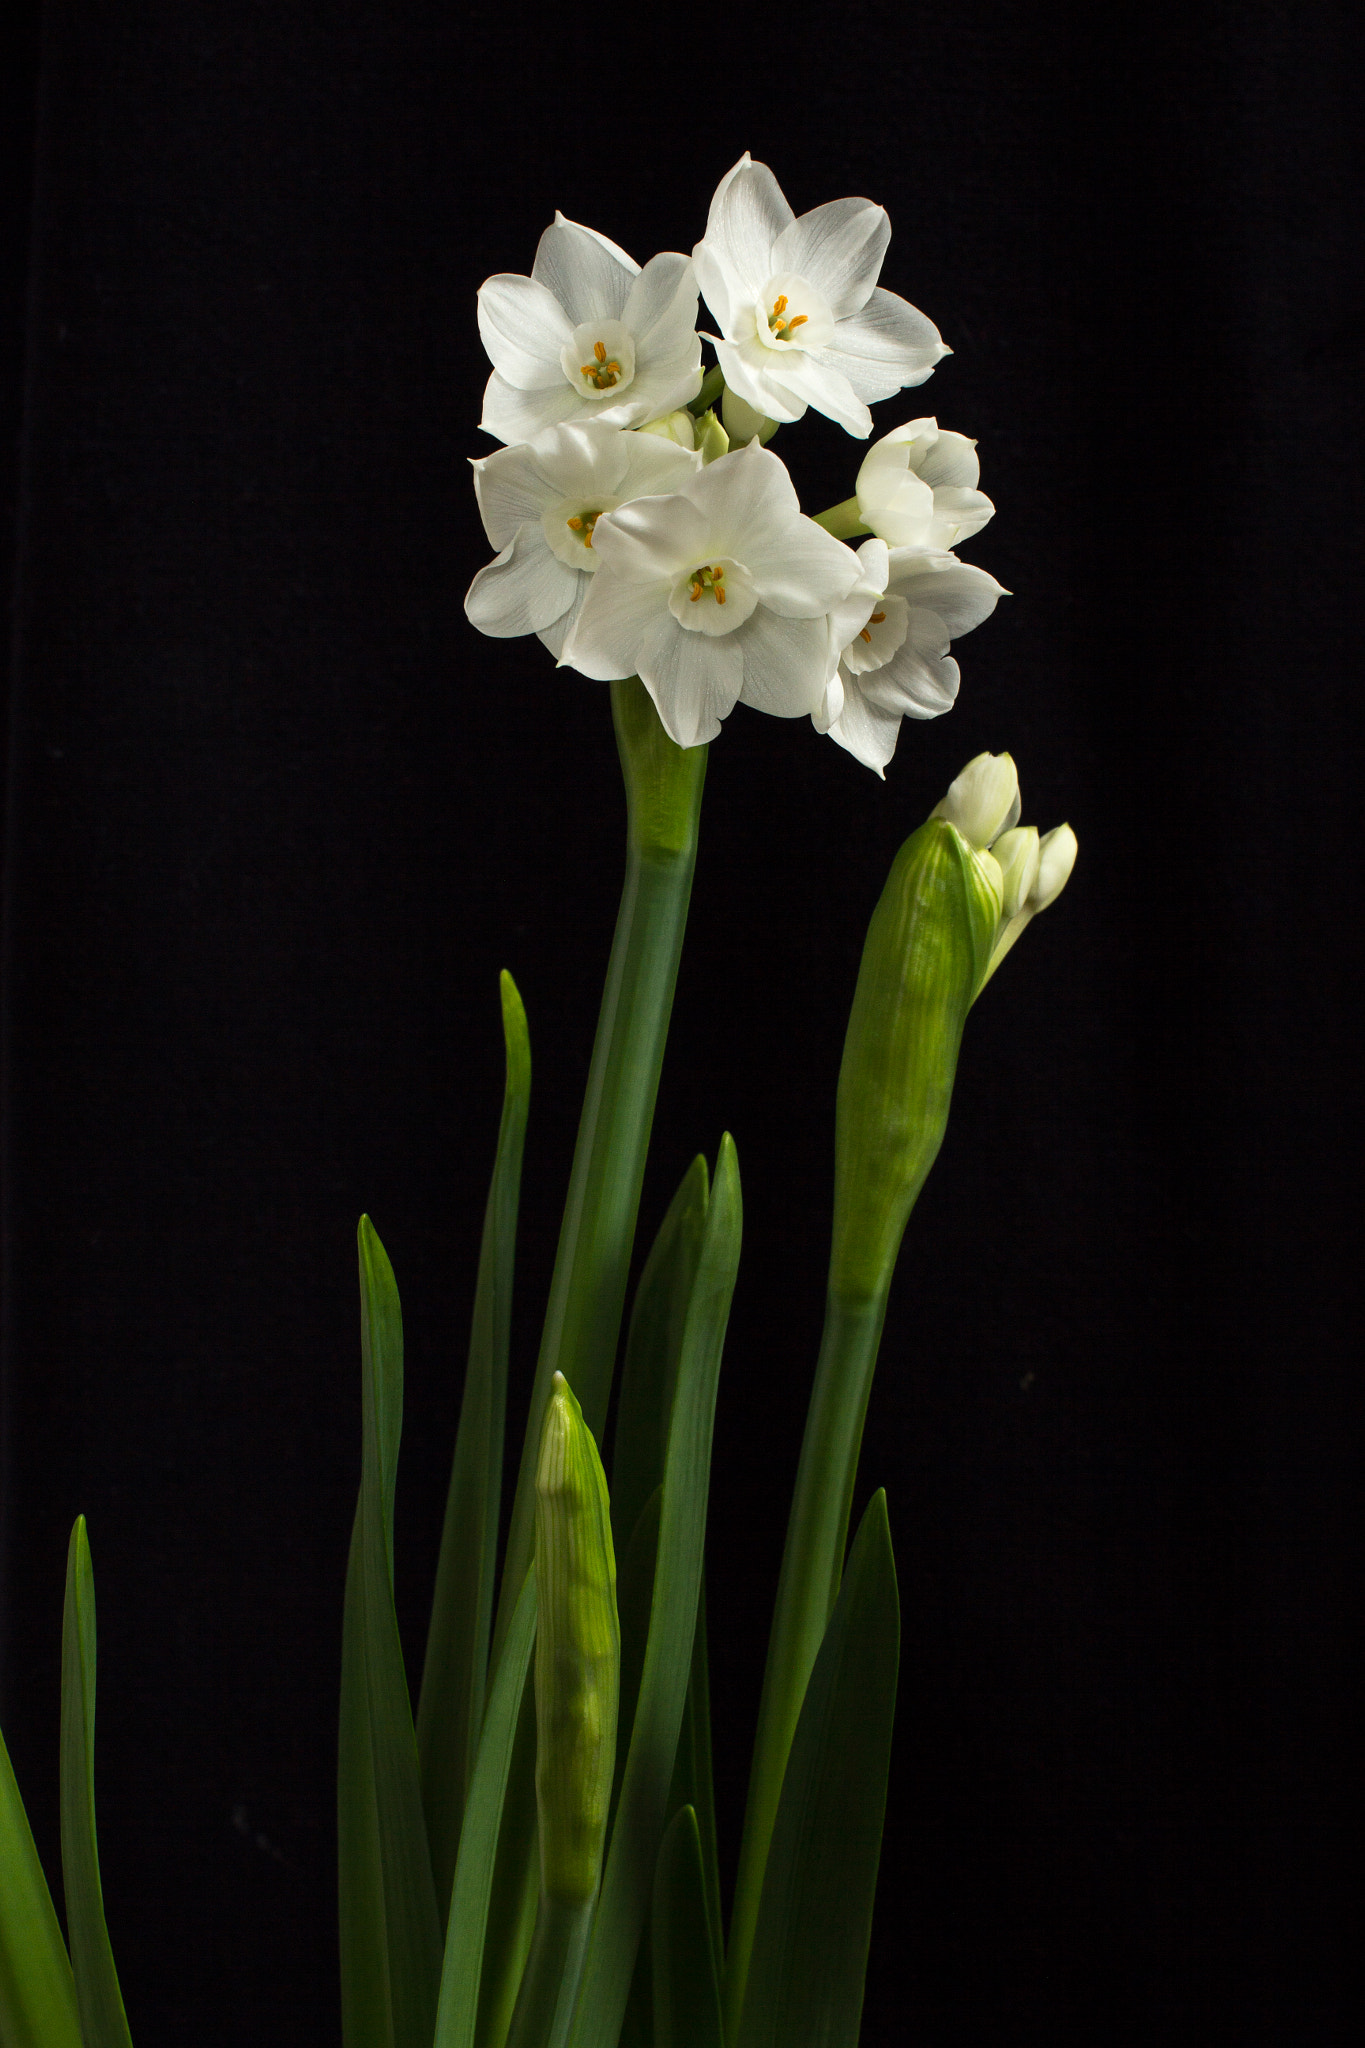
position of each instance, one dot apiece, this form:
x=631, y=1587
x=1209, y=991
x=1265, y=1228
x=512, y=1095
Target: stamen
x=599, y=372
x=582, y=523
x=876, y=620
x=599, y=349
x=783, y=329
x=711, y=579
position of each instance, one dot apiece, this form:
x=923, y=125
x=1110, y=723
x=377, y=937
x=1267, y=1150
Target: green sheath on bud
x=578, y=1651
x=928, y=947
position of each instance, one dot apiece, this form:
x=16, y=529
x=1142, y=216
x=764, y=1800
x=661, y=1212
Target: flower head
x=714, y=594
x=917, y=487
x=540, y=504
x=588, y=335
x=888, y=645
x=803, y=321
x=983, y=807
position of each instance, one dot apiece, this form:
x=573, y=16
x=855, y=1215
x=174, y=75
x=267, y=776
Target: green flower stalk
x=948, y=913
x=577, y=1682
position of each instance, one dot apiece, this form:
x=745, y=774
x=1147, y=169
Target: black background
x=276, y=816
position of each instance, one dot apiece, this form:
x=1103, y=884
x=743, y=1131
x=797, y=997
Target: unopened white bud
x=1017, y=853
x=1056, y=858
x=712, y=439
x=983, y=801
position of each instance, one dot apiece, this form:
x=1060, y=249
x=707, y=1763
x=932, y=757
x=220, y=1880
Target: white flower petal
x=721, y=285
x=586, y=457
x=617, y=628
x=805, y=572
x=919, y=681
x=589, y=276
x=748, y=213
x=662, y=304
x=511, y=415
x=523, y=327
x=653, y=540
x=867, y=731
x=956, y=592
x=983, y=801
x=747, y=368
x=655, y=465
x=524, y=590
x=555, y=635
x=948, y=459
x=694, y=681
x=1057, y=852
x=958, y=514
x=510, y=490
x=657, y=387
x=784, y=664
x=818, y=375
x=840, y=248
x=747, y=500
x=887, y=345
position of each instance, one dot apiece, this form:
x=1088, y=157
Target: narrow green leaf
x=653, y=1348
x=104, y=2024
x=693, y=1783
x=451, y=1702
x=457, y=2013
x=515, y=1893
x=634, y=1598
x=37, y=1992
x=686, y=1987
x=642, y=1812
x=805, y=1982
x=390, y=1934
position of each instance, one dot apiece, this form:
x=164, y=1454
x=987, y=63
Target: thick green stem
x=812, y=1565
x=587, y=1294
x=553, y=1968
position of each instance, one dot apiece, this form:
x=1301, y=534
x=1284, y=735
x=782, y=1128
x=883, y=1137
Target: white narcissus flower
x=588, y=335
x=803, y=320
x=540, y=504
x=714, y=595
x=888, y=645
x=917, y=488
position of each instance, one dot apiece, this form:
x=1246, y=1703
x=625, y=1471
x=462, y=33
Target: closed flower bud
x=743, y=421
x=1055, y=858
x=983, y=801
x=927, y=949
x=676, y=426
x=1017, y=855
x=1057, y=852
x=578, y=1651
x=712, y=439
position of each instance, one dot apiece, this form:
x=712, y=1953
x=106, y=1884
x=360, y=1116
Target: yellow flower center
x=601, y=373
x=876, y=620
x=708, y=582
x=780, y=327
x=582, y=523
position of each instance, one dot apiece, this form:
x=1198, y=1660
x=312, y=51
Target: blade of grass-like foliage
x=37, y=1992
x=634, y=1597
x=809, y=1958
x=457, y=2013
x=686, y=1986
x=390, y=1935
x=450, y=1705
x=104, y=2023
x=693, y=1783
x=515, y=1893
x=642, y=1812
x=653, y=1348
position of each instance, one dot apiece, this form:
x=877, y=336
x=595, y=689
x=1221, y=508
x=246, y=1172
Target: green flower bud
x=742, y=421
x=712, y=438
x=928, y=947
x=674, y=426
x=578, y=1651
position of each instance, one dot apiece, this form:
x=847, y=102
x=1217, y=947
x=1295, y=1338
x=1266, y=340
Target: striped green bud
x=928, y=948
x=578, y=1651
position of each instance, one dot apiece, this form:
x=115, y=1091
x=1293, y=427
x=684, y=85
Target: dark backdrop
x=276, y=816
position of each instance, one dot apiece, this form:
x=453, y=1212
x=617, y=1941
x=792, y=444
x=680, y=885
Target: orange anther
x=599, y=349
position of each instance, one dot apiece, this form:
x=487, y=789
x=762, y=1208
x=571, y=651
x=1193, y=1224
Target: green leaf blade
x=454, y=1677
x=104, y=2023
x=686, y=1986
x=390, y=1933
x=809, y=1959
x=38, y=2006
x=458, y=2010
x=642, y=1811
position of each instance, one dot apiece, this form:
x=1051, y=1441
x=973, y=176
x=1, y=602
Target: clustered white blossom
x=636, y=538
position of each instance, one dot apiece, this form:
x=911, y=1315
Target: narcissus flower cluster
x=637, y=536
